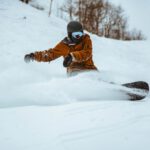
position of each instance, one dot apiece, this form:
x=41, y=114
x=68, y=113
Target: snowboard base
x=140, y=90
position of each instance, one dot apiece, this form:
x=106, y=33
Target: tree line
x=102, y=18
x=99, y=17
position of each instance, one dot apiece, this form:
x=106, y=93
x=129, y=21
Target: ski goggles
x=77, y=35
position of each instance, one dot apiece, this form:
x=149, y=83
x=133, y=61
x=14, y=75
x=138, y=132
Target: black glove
x=29, y=57
x=67, y=60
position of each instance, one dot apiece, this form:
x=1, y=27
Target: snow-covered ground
x=42, y=109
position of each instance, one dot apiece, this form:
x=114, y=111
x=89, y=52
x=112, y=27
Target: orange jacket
x=82, y=54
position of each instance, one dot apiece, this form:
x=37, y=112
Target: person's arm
x=48, y=55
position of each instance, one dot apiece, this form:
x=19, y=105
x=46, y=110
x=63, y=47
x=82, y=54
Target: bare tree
x=50, y=7
x=89, y=13
x=69, y=8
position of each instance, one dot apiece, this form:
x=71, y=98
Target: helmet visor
x=77, y=35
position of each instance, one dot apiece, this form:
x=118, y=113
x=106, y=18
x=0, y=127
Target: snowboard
x=136, y=90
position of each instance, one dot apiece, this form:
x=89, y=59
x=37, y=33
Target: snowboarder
x=76, y=49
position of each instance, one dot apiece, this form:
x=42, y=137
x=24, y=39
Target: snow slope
x=40, y=108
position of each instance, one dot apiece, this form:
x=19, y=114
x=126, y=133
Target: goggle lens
x=77, y=35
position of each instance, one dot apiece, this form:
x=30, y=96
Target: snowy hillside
x=42, y=109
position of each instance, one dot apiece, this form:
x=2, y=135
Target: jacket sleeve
x=48, y=55
x=85, y=53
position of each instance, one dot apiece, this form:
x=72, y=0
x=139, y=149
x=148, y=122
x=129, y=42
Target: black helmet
x=74, y=26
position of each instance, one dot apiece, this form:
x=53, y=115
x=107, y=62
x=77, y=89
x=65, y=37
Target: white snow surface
x=42, y=109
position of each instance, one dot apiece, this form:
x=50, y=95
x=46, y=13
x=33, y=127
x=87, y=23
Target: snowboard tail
x=140, y=90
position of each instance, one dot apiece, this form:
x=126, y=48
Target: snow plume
x=56, y=91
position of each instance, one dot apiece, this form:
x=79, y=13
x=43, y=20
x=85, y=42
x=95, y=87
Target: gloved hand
x=29, y=57
x=67, y=60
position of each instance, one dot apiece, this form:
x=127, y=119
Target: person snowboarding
x=76, y=49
